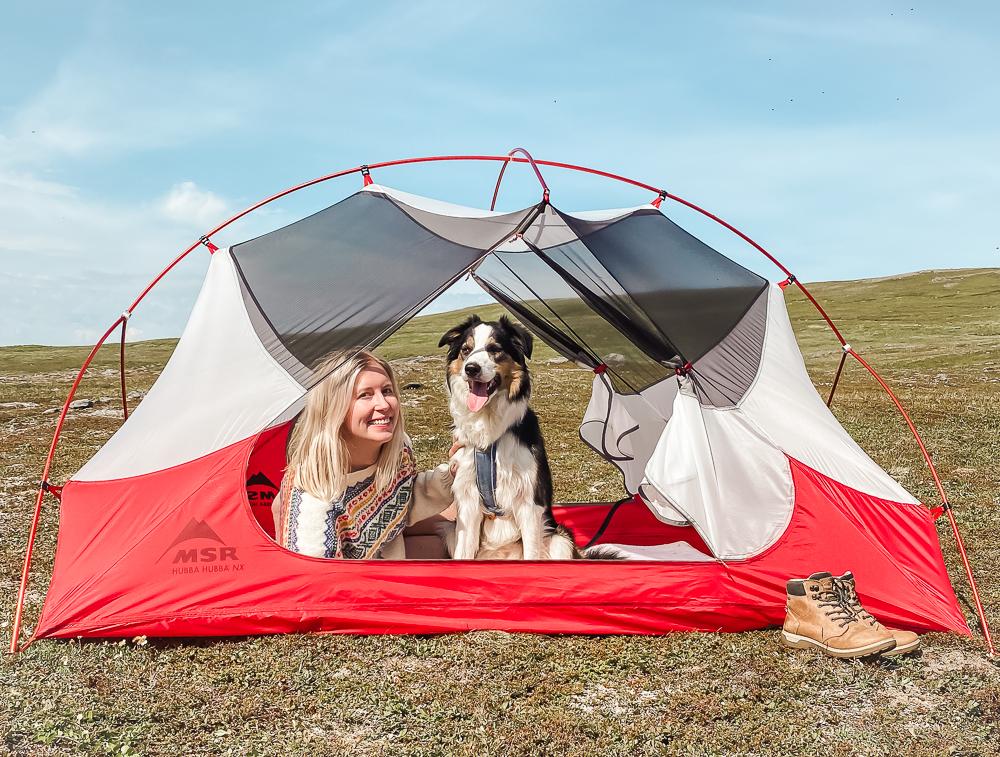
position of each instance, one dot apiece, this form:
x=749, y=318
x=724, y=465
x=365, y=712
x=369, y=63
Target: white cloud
x=186, y=203
x=72, y=263
x=97, y=105
x=874, y=26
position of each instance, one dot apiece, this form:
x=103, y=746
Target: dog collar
x=486, y=479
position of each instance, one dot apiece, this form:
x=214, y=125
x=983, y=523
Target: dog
x=503, y=484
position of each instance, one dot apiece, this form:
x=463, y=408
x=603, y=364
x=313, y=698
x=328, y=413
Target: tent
x=737, y=475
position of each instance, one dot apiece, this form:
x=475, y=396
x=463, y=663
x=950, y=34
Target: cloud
x=97, y=105
x=73, y=262
x=186, y=203
x=868, y=27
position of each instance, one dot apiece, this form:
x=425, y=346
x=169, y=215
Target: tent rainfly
x=737, y=474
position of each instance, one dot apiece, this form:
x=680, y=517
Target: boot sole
x=794, y=641
x=913, y=646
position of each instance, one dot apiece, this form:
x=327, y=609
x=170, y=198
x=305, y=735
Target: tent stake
x=836, y=378
x=121, y=365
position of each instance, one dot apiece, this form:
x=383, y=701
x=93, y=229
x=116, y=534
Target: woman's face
x=374, y=410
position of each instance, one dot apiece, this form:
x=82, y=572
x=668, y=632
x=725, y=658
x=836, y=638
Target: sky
x=851, y=139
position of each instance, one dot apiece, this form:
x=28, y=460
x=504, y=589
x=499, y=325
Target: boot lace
x=849, y=598
x=836, y=608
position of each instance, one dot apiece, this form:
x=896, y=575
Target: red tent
x=738, y=476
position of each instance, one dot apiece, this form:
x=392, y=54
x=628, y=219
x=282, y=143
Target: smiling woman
x=351, y=485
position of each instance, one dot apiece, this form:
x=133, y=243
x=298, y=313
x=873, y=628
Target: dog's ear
x=520, y=336
x=455, y=333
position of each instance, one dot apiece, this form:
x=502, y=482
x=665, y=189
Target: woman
x=351, y=485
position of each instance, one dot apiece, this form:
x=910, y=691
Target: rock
x=556, y=360
x=413, y=385
x=18, y=405
x=51, y=411
x=80, y=404
x=136, y=395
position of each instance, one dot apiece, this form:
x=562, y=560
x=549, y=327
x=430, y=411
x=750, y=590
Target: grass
x=935, y=336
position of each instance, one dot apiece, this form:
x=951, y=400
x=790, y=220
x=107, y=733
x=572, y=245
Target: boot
x=817, y=617
x=906, y=641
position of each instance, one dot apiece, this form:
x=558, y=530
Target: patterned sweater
x=365, y=523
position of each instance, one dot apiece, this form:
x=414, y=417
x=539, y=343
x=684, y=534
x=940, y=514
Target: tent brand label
x=260, y=489
x=185, y=556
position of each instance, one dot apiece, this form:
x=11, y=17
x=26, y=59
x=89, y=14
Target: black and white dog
x=503, y=485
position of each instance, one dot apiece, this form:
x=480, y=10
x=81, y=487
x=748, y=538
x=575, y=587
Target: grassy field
x=935, y=336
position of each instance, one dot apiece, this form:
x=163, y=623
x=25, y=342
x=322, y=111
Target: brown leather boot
x=906, y=641
x=817, y=617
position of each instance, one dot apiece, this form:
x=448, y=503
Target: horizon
x=113, y=340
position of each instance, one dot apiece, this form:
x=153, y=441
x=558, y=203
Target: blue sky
x=851, y=139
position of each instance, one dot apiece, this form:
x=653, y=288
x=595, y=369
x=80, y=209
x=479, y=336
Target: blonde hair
x=318, y=458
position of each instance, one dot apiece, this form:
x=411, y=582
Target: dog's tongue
x=479, y=392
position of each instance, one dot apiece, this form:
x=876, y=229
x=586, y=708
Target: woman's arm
x=431, y=494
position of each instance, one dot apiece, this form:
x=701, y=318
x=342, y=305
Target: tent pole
x=944, y=502
x=496, y=189
x=19, y=607
x=534, y=167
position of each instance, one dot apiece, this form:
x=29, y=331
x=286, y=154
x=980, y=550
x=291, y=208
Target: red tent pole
x=946, y=507
x=43, y=485
x=496, y=189
x=534, y=167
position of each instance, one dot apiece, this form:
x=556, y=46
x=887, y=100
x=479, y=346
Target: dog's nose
x=473, y=369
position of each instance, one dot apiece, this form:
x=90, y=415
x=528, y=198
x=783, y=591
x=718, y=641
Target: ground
x=935, y=336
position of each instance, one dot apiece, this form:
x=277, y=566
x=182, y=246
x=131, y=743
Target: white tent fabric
x=611, y=425
x=719, y=469
x=442, y=208
x=219, y=387
x=724, y=469
x=678, y=551
x=784, y=402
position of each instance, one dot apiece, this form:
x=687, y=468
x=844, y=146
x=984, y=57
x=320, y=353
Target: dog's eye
x=465, y=351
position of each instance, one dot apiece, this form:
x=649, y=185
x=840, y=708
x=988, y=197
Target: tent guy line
x=365, y=170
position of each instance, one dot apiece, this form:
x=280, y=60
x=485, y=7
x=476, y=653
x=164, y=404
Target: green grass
x=935, y=336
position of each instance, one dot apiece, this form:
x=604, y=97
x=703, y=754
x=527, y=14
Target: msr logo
x=260, y=489
x=192, y=558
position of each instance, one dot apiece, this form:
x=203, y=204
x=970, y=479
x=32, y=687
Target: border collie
x=503, y=485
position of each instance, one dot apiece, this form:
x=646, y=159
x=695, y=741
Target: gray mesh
x=547, y=303
x=635, y=292
x=724, y=375
x=348, y=276
x=693, y=294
